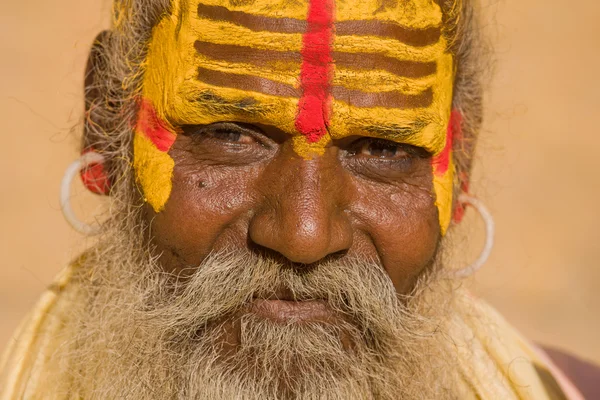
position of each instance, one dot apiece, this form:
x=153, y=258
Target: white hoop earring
x=490, y=228
x=76, y=166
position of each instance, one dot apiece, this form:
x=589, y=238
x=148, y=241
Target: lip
x=287, y=311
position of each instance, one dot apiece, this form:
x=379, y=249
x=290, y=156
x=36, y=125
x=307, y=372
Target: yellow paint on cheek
x=443, y=186
x=153, y=167
x=154, y=171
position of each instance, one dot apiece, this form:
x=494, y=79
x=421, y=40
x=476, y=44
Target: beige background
x=536, y=166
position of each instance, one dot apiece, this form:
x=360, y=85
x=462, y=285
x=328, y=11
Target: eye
x=228, y=143
x=230, y=133
x=380, y=148
x=386, y=161
x=225, y=133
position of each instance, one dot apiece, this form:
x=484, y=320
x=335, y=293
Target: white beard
x=137, y=332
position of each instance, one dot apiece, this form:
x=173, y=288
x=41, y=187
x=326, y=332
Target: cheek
x=403, y=225
x=207, y=211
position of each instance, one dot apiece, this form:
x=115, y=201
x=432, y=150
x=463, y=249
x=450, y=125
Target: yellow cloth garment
x=495, y=362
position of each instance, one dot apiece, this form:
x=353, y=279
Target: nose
x=302, y=216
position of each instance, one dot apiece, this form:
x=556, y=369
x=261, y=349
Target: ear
x=96, y=176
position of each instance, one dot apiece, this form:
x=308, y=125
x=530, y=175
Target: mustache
x=155, y=333
x=226, y=282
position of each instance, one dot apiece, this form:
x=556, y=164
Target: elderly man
x=284, y=176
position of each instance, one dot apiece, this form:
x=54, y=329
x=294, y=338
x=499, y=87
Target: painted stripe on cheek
x=153, y=127
x=316, y=74
x=441, y=162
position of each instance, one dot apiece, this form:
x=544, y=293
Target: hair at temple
x=118, y=55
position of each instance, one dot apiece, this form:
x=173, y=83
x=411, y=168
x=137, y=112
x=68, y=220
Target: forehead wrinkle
x=249, y=107
x=396, y=131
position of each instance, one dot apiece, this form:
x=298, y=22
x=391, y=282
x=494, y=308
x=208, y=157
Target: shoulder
x=532, y=373
x=34, y=340
x=583, y=374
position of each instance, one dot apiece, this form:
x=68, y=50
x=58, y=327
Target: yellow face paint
x=318, y=70
x=154, y=170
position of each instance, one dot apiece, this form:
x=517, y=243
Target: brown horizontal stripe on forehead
x=246, y=83
x=355, y=98
x=371, y=61
x=413, y=37
x=252, y=22
x=393, y=99
x=244, y=54
x=366, y=61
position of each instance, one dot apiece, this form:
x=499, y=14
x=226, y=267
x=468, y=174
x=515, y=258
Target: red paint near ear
x=459, y=213
x=153, y=127
x=95, y=178
x=459, y=209
x=316, y=73
x=441, y=162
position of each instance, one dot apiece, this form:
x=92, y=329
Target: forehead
x=368, y=67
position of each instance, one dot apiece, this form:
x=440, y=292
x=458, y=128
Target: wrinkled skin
x=238, y=186
x=241, y=187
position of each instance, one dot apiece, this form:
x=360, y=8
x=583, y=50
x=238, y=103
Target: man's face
x=296, y=163
x=304, y=130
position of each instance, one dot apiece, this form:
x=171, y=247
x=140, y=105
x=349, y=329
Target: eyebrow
x=396, y=131
x=248, y=106
x=253, y=108
x=410, y=36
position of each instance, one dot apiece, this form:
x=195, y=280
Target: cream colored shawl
x=495, y=362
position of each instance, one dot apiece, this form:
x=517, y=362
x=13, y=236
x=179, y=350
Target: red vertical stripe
x=454, y=131
x=314, y=107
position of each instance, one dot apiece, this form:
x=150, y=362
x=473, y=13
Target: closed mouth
x=283, y=305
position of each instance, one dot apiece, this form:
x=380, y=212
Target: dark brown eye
x=226, y=132
x=378, y=148
x=230, y=134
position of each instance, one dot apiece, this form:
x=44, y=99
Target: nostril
x=302, y=238
x=286, y=263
